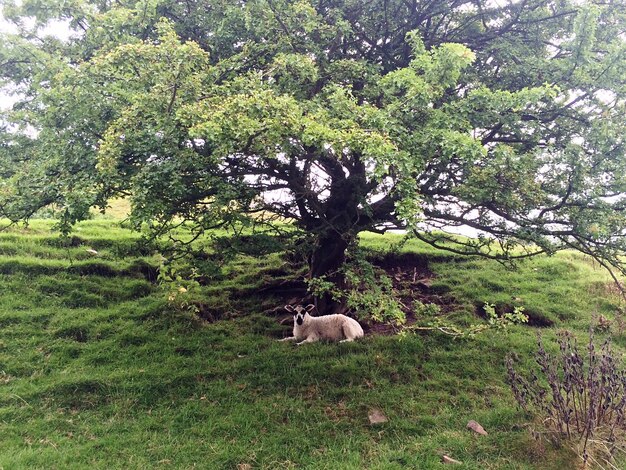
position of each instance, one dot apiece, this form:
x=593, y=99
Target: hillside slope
x=99, y=370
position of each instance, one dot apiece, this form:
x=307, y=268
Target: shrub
x=580, y=398
x=426, y=310
x=368, y=290
x=503, y=321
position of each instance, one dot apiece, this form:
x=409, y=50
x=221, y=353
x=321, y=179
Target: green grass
x=98, y=371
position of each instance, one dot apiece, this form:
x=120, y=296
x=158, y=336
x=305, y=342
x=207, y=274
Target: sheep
x=307, y=329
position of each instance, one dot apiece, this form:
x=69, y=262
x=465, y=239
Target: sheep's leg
x=310, y=339
x=291, y=338
x=347, y=333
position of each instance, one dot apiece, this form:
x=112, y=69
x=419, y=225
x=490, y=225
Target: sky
x=5, y=27
x=57, y=28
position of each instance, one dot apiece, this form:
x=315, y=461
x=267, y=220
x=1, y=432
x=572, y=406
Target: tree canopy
x=341, y=115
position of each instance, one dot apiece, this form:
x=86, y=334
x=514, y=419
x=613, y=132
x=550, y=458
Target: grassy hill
x=99, y=370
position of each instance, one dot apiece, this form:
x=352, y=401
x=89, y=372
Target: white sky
x=5, y=27
x=57, y=28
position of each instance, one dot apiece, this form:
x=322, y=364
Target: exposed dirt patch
x=413, y=280
x=277, y=294
x=536, y=319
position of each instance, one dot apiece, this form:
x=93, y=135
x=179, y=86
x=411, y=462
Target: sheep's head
x=299, y=312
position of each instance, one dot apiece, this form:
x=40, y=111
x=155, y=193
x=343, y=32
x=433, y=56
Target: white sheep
x=307, y=329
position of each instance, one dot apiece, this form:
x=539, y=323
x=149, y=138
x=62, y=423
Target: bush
x=580, y=398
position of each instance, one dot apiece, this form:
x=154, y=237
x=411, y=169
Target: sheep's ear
x=310, y=307
x=289, y=308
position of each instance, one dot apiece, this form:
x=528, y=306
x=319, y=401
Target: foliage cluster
x=367, y=291
x=494, y=322
x=502, y=321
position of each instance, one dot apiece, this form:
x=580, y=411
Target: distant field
x=99, y=370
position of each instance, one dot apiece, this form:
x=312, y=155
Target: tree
x=341, y=115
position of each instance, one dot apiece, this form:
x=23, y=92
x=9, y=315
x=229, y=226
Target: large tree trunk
x=336, y=229
x=327, y=259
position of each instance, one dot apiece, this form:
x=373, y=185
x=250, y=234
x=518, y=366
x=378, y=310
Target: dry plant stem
x=457, y=332
x=585, y=398
x=445, y=330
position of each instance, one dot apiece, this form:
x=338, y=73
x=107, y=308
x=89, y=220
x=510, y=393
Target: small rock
x=91, y=251
x=446, y=459
x=376, y=416
x=244, y=466
x=477, y=428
